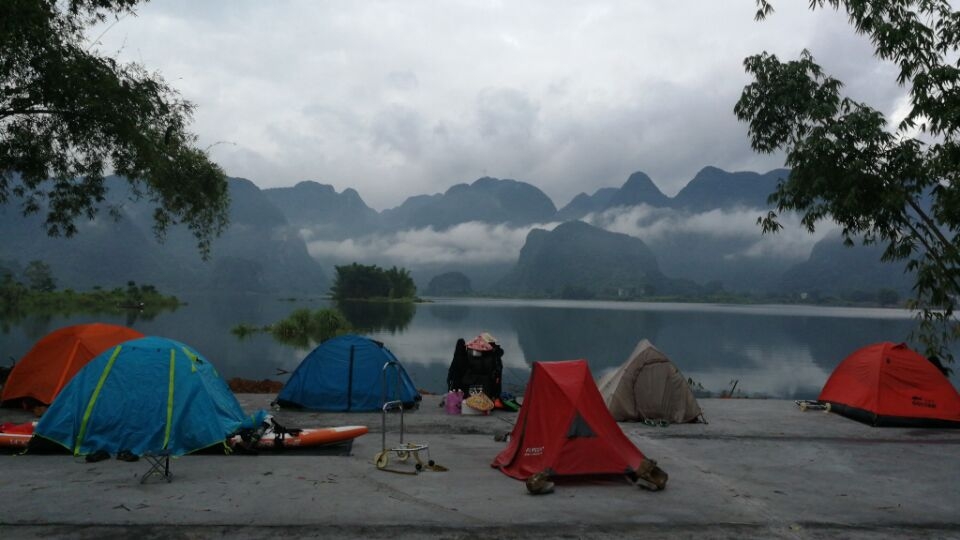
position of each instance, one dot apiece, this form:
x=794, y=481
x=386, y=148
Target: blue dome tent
x=146, y=396
x=346, y=374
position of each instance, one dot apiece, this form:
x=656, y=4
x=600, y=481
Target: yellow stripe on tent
x=166, y=435
x=193, y=359
x=93, y=400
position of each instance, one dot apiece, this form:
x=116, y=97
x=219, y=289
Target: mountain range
x=259, y=252
x=622, y=241
x=711, y=188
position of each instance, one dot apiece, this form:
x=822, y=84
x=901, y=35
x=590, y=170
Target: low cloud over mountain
x=288, y=238
x=658, y=225
x=466, y=244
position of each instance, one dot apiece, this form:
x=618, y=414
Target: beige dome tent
x=648, y=387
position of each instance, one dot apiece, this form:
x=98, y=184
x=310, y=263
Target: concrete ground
x=759, y=469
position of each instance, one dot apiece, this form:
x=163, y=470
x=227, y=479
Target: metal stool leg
x=159, y=466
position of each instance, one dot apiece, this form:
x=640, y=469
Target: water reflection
x=40, y=322
x=452, y=313
x=779, y=351
x=776, y=351
x=604, y=337
x=389, y=317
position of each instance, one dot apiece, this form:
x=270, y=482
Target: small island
x=354, y=283
x=370, y=283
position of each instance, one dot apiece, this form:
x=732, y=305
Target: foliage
x=12, y=292
x=301, y=327
x=401, y=284
x=39, y=276
x=358, y=281
x=896, y=187
x=67, y=114
x=243, y=330
x=18, y=300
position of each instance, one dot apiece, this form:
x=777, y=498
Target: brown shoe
x=539, y=484
x=649, y=476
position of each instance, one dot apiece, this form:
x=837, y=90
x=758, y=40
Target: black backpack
x=471, y=368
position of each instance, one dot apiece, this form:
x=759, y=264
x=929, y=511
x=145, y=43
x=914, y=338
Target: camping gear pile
x=477, y=367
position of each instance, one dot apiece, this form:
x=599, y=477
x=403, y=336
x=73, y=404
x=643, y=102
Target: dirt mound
x=249, y=386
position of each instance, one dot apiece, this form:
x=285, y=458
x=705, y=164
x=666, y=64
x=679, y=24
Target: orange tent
x=890, y=385
x=57, y=357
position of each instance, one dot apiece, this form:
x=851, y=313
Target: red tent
x=58, y=356
x=565, y=428
x=890, y=385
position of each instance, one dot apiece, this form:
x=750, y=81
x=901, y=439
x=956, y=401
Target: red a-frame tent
x=565, y=429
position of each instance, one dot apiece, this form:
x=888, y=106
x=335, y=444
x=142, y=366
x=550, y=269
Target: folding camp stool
x=159, y=466
x=403, y=451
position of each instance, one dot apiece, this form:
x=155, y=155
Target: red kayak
x=306, y=438
x=16, y=435
x=19, y=435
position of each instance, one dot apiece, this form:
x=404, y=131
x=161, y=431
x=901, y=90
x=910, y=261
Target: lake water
x=775, y=351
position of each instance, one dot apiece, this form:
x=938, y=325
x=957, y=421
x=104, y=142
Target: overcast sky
x=404, y=98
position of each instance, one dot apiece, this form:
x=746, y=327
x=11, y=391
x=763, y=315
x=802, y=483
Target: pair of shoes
x=126, y=455
x=649, y=476
x=502, y=436
x=539, y=484
x=99, y=455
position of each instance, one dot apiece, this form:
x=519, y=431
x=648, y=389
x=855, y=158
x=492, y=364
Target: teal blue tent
x=346, y=374
x=146, y=396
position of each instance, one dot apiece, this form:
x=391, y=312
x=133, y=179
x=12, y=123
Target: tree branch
x=933, y=254
x=4, y=113
x=932, y=226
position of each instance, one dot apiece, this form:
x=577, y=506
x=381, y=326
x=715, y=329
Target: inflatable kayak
x=304, y=438
x=16, y=435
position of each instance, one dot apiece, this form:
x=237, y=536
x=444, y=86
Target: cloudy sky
x=403, y=98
